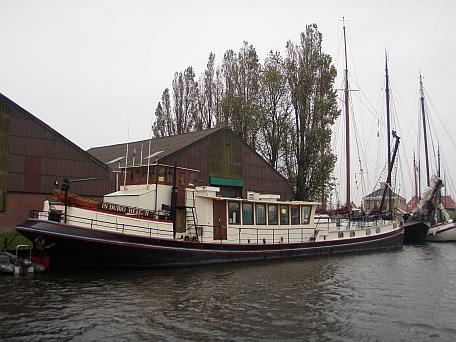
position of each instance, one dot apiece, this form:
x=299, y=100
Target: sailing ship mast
x=415, y=170
x=423, y=113
x=388, y=129
x=347, y=123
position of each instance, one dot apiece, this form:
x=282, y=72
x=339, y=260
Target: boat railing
x=207, y=233
x=256, y=235
x=119, y=227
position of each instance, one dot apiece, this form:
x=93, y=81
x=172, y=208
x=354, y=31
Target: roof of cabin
x=379, y=193
x=160, y=148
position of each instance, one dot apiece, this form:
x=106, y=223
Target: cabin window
x=272, y=214
x=193, y=178
x=305, y=214
x=247, y=213
x=169, y=175
x=130, y=175
x=368, y=231
x=284, y=218
x=294, y=215
x=161, y=174
x=2, y=201
x=352, y=233
x=260, y=213
x=182, y=178
x=340, y=235
x=234, y=212
x=152, y=174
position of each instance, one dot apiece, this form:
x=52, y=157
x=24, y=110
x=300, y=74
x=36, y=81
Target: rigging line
x=401, y=174
x=397, y=121
x=369, y=106
x=430, y=124
x=449, y=180
x=355, y=128
x=402, y=147
x=353, y=66
x=438, y=117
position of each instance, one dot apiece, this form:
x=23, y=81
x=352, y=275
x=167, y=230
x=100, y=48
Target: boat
x=160, y=218
x=15, y=264
x=415, y=232
x=416, y=224
x=442, y=232
x=176, y=223
x=442, y=228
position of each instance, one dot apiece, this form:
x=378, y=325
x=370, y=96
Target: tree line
x=284, y=107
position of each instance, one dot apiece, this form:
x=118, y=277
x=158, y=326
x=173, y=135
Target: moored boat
x=193, y=225
x=415, y=232
x=443, y=232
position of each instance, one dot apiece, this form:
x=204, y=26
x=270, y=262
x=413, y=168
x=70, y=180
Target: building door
x=220, y=231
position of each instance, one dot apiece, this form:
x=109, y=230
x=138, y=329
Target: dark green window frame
x=247, y=213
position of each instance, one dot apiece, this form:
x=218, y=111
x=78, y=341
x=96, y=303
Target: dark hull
x=415, y=233
x=71, y=247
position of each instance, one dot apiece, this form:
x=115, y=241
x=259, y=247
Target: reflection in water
x=398, y=295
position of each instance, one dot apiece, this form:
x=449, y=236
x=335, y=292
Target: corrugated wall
x=259, y=176
x=3, y=154
x=223, y=154
x=38, y=156
x=195, y=157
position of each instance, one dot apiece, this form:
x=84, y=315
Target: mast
x=419, y=179
x=393, y=157
x=415, y=168
x=388, y=129
x=347, y=122
x=438, y=161
x=423, y=113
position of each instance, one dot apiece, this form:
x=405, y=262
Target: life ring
x=39, y=243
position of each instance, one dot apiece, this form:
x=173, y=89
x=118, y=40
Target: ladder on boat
x=191, y=218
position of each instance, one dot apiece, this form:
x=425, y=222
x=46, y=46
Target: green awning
x=226, y=181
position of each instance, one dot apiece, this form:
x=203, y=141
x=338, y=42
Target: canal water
x=399, y=295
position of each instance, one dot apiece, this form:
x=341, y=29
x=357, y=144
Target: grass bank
x=12, y=239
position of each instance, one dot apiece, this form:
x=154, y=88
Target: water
x=401, y=295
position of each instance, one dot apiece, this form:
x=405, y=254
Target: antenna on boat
x=126, y=154
x=148, y=159
x=347, y=121
x=423, y=113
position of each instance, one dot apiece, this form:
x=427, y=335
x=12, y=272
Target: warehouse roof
x=114, y=155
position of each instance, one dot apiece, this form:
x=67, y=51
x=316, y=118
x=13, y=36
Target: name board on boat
x=119, y=208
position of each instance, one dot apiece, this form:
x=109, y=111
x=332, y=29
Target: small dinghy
x=14, y=264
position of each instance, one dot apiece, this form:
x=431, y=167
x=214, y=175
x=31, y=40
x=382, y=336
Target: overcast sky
x=85, y=67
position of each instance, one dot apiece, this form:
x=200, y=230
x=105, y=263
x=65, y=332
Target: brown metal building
x=220, y=155
x=33, y=156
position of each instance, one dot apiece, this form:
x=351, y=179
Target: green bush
x=12, y=240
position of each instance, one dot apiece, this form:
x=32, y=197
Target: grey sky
x=84, y=67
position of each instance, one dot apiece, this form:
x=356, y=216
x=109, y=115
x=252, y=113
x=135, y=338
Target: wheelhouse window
x=193, y=178
x=130, y=175
x=284, y=217
x=169, y=175
x=294, y=214
x=2, y=201
x=182, y=177
x=234, y=212
x=152, y=174
x=260, y=213
x=272, y=214
x=161, y=174
x=305, y=214
x=247, y=213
